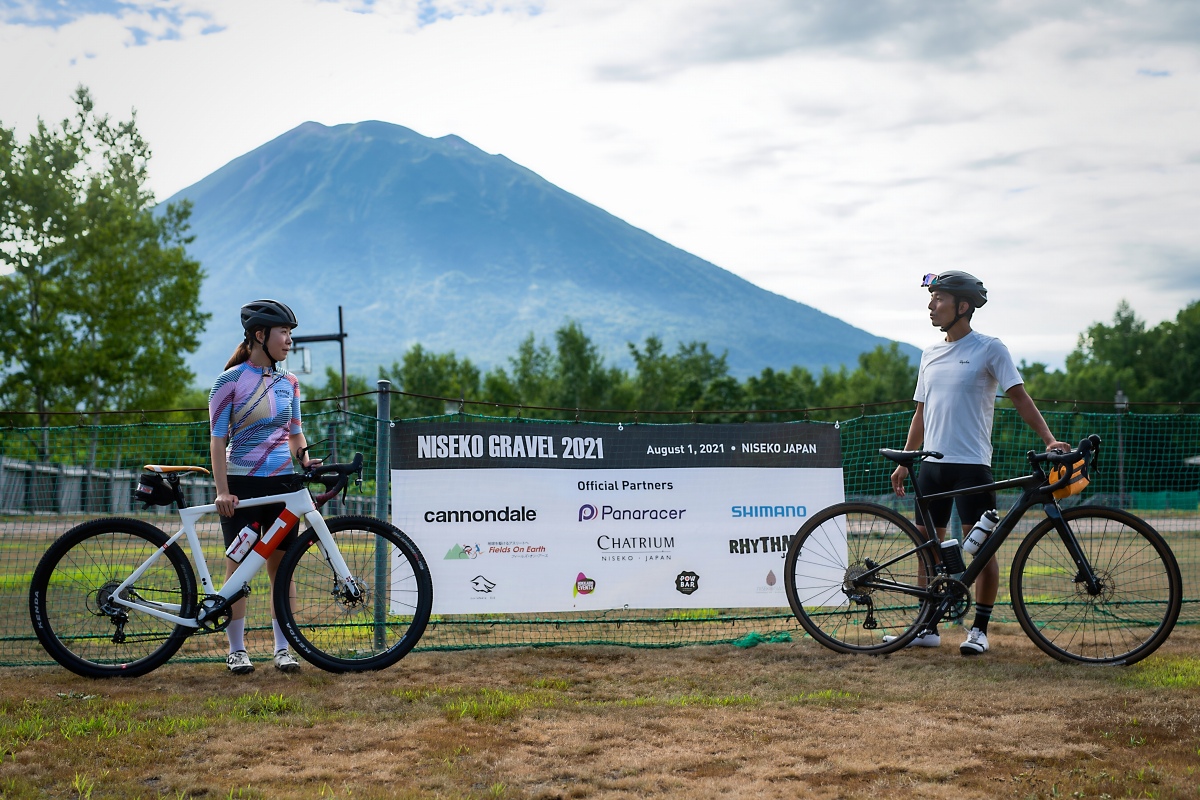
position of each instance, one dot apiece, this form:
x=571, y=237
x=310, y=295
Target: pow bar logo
x=687, y=582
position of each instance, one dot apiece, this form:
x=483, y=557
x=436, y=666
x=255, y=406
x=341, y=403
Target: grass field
x=777, y=720
x=782, y=719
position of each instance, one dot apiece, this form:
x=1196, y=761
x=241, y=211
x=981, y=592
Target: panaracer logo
x=587, y=511
x=583, y=585
x=687, y=582
x=482, y=584
x=463, y=551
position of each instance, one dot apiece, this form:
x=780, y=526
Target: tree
x=883, y=375
x=434, y=375
x=665, y=382
x=581, y=380
x=99, y=302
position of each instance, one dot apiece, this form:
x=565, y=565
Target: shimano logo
x=741, y=512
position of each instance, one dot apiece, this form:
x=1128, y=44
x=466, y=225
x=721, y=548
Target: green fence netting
x=54, y=478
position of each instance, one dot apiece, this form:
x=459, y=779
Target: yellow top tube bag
x=1078, y=482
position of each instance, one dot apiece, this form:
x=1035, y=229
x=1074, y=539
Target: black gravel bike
x=1089, y=584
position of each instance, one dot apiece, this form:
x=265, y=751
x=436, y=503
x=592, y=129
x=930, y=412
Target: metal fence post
x=383, y=422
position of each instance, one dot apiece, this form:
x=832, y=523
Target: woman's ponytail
x=240, y=355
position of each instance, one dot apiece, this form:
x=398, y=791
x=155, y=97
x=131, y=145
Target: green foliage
x=431, y=374
x=313, y=395
x=544, y=381
x=1150, y=365
x=98, y=299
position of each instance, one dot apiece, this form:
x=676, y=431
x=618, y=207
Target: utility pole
x=340, y=338
x=1121, y=404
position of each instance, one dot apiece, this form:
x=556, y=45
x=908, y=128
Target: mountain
x=437, y=242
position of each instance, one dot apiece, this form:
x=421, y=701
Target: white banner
x=518, y=518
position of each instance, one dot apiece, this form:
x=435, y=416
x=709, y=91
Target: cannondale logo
x=587, y=511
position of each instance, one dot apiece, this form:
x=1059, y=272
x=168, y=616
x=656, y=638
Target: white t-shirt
x=957, y=382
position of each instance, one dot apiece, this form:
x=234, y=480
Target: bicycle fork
x=1086, y=575
x=346, y=587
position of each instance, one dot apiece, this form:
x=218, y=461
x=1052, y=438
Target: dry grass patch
x=778, y=720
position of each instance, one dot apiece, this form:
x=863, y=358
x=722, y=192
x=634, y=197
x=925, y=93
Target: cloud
x=948, y=32
x=1164, y=267
x=144, y=21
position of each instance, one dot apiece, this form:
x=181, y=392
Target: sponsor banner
x=537, y=532
x=506, y=445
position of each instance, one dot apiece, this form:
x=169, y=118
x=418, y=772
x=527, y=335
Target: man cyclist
x=955, y=395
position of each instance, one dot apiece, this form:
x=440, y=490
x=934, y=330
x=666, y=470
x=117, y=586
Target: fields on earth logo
x=583, y=585
x=463, y=551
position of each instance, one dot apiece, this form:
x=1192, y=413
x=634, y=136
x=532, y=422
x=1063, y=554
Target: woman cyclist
x=254, y=414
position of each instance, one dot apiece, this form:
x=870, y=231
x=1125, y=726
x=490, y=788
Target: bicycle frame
x=1034, y=492
x=298, y=504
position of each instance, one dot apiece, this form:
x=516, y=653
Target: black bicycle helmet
x=267, y=314
x=959, y=284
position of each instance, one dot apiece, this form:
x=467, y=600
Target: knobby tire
x=337, y=633
x=67, y=598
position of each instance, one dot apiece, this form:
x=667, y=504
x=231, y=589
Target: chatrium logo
x=583, y=585
x=587, y=511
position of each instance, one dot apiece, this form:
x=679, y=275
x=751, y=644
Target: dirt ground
x=777, y=720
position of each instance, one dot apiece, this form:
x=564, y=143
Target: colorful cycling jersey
x=257, y=410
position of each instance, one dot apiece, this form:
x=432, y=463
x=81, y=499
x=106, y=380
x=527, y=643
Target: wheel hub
x=1104, y=580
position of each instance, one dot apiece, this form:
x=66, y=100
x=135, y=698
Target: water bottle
x=981, y=531
x=952, y=558
x=246, y=539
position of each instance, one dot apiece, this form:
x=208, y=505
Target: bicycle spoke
x=1139, y=588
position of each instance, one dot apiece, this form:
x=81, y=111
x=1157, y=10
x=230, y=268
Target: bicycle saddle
x=163, y=470
x=907, y=457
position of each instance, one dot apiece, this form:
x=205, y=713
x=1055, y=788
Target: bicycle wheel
x=1140, y=588
x=69, y=599
x=338, y=633
x=840, y=544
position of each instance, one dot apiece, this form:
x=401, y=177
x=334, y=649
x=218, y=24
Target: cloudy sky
x=832, y=151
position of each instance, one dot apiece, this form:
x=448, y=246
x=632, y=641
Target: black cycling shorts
x=935, y=477
x=244, y=487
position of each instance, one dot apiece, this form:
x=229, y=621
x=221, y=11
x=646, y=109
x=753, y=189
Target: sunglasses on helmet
x=929, y=280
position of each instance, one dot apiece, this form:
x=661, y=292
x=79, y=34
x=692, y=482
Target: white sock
x=237, y=635
x=281, y=641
